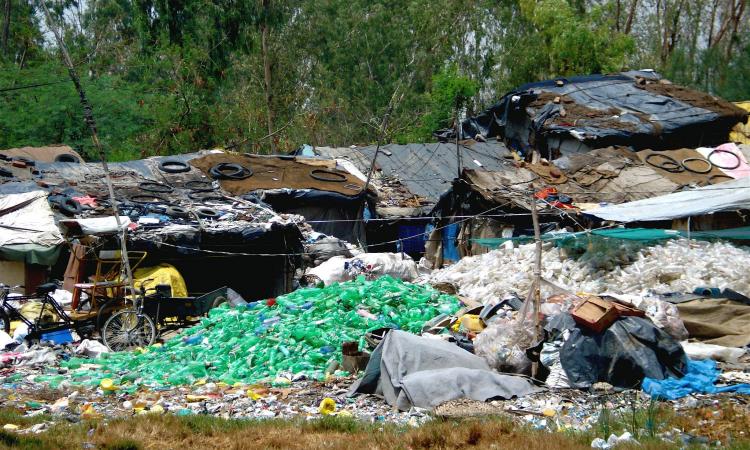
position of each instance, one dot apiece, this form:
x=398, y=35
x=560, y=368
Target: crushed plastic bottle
x=299, y=333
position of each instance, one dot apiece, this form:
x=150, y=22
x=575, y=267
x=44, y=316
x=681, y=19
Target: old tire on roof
x=230, y=171
x=67, y=158
x=177, y=211
x=718, y=150
x=207, y=213
x=173, y=166
x=327, y=175
x=199, y=186
x=155, y=186
x=148, y=199
x=69, y=206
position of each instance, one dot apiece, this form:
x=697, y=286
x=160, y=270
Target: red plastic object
x=546, y=192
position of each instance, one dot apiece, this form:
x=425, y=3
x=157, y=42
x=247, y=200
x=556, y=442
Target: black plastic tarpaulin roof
x=637, y=109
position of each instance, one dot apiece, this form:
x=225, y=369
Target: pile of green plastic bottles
x=297, y=333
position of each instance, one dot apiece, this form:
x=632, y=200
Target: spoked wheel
x=128, y=329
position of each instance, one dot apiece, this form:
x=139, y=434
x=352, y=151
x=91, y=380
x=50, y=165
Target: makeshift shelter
x=409, y=180
x=730, y=196
x=48, y=154
x=637, y=109
x=483, y=206
x=330, y=198
x=178, y=216
x=29, y=238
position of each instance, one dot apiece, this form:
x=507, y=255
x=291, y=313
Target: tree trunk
x=617, y=14
x=631, y=16
x=736, y=18
x=714, y=7
x=6, y=27
x=267, y=72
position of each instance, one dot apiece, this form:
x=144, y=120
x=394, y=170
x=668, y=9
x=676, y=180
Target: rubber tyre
x=319, y=174
x=142, y=199
x=716, y=150
x=204, y=196
x=230, y=171
x=701, y=160
x=67, y=158
x=4, y=321
x=672, y=165
x=106, y=311
x=218, y=301
x=153, y=186
x=174, y=166
x=177, y=211
x=69, y=206
x=127, y=329
x=207, y=213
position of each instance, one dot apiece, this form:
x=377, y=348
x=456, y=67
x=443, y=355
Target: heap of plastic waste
x=298, y=333
x=674, y=266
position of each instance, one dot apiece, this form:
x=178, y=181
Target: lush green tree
x=170, y=76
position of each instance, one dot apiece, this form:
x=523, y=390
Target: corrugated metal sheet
x=424, y=170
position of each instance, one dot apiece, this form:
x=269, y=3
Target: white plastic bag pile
x=397, y=265
x=672, y=267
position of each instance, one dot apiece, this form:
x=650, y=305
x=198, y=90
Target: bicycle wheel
x=4, y=320
x=128, y=329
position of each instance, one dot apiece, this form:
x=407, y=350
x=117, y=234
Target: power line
x=31, y=86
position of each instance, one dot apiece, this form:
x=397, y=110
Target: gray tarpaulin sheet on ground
x=410, y=370
x=727, y=196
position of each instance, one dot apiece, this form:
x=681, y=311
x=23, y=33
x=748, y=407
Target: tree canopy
x=172, y=76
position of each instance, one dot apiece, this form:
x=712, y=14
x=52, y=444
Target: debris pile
x=300, y=333
x=675, y=266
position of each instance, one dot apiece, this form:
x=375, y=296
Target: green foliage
x=168, y=76
x=574, y=43
x=450, y=92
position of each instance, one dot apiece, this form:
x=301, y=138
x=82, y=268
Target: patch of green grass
x=15, y=416
x=335, y=424
x=19, y=441
x=122, y=444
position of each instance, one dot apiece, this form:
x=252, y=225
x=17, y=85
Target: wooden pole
x=88, y=117
x=537, y=279
x=458, y=149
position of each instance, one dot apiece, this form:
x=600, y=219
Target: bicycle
x=52, y=316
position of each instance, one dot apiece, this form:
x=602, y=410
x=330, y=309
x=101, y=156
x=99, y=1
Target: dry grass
x=172, y=432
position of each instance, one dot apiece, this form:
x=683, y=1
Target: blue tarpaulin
x=700, y=378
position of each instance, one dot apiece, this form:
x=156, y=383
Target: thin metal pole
x=458, y=149
x=88, y=117
x=537, y=279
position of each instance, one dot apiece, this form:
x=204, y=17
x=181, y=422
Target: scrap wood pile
x=296, y=334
